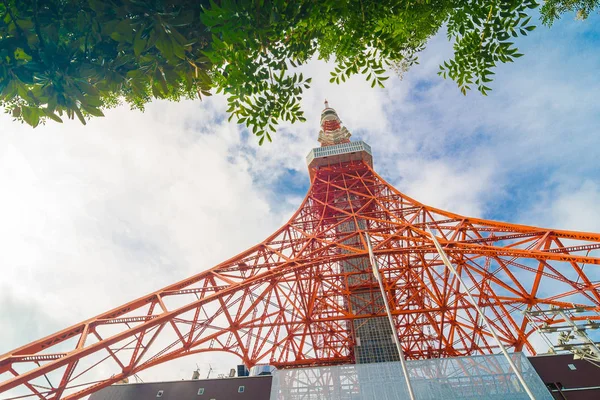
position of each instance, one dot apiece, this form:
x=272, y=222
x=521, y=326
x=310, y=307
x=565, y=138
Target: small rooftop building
x=248, y=387
x=488, y=378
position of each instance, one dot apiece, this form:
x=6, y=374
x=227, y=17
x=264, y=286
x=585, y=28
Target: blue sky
x=95, y=216
x=507, y=156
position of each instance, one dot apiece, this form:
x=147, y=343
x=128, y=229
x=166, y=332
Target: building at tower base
x=478, y=377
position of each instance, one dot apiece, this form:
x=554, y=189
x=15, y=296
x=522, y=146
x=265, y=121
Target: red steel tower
x=306, y=296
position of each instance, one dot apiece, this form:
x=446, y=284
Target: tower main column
x=371, y=337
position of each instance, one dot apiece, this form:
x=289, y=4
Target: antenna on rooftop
x=209, y=371
x=196, y=373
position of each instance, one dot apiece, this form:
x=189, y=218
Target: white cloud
x=94, y=217
x=444, y=185
x=569, y=205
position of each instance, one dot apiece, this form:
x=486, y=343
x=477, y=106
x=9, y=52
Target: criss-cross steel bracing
x=291, y=300
x=285, y=301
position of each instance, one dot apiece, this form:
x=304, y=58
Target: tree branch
x=12, y=17
x=38, y=31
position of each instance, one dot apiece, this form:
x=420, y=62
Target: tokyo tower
x=306, y=295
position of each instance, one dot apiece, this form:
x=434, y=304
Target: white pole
x=449, y=265
x=537, y=329
x=389, y=314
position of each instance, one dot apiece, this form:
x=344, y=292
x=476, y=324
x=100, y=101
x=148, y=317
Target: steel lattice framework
x=288, y=301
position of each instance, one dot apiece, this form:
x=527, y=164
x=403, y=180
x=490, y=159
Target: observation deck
x=339, y=153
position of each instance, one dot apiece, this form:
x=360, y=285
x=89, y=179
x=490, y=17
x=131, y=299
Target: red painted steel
x=286, y=300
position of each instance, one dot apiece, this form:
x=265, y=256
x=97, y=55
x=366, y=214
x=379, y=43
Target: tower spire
x=332, y=131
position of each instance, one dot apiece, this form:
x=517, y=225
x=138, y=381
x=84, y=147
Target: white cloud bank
x=94, y=217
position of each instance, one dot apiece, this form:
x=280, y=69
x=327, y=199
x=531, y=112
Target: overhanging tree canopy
x=75, y=58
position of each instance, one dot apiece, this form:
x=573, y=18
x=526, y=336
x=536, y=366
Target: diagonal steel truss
x=288, y=302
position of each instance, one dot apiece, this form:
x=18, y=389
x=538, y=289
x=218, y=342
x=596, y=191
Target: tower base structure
x=557, y=377
x=456, y=378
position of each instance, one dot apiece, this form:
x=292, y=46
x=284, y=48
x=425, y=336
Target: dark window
x=200, y=391
x=241, y=389
x=554, y=386
x=159, y=393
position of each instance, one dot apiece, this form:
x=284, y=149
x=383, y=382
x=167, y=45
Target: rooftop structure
x=252, y=388
x=479, y=377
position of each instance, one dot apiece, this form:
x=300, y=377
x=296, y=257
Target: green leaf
x=20, y=54
x=31, y=116
x=178, y=49
x=139, y=44
x=87, y=88
x=92, y=101
x=80, y=116
x=93, y=111
x=52, y=116
x=116, y=36
x=164, y=45
x=25, y=24
x=156, y=92
x=158, y=77
x=125, y=30
x=178, y=37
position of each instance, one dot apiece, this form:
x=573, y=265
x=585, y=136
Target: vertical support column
x=377, y=274
x=372, y=334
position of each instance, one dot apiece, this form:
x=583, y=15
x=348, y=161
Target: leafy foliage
x=483, y=38
x=76, y=58
x=552, y=9
x=257, y=44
